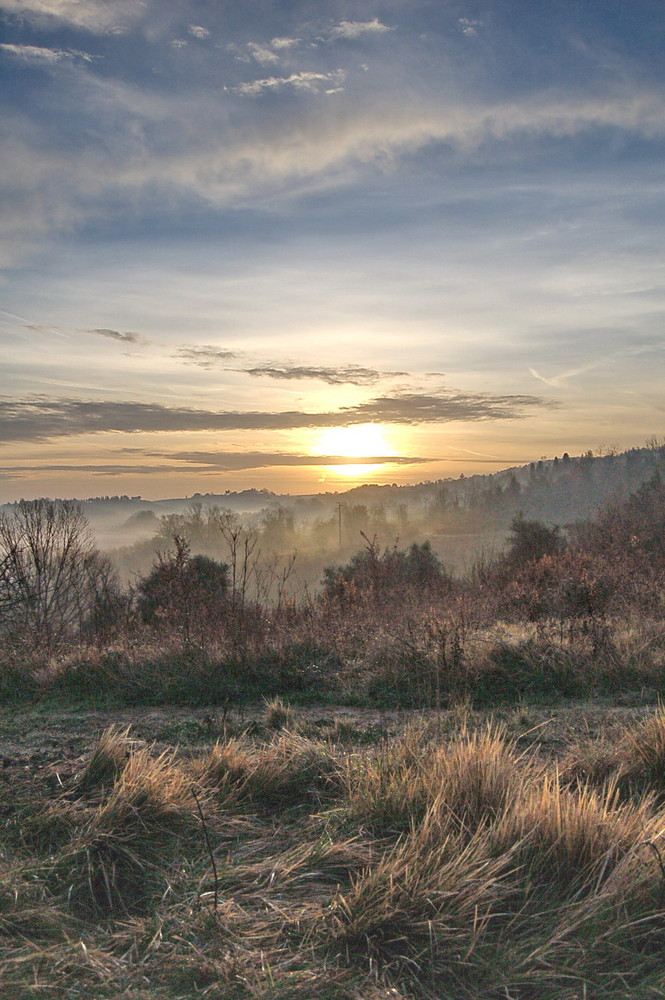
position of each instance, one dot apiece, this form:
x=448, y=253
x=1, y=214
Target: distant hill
x=561, y=491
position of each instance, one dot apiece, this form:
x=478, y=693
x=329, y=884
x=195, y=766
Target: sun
x=358, y=442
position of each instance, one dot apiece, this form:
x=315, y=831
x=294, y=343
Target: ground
x=295, y=853
x=42, y=748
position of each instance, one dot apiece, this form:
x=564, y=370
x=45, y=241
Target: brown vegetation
x=453, y=866
x=548, y=618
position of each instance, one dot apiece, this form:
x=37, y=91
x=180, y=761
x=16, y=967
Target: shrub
x=529, y=541
x=370, y=574
x=184, y=592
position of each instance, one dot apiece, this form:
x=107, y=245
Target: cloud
x=234, y=461
x=96, y=16
x=139, y=141
x=208, y=462
x=41, y=55
x=21, y=471
x=307, y=81
x=284, y=43
x=205, y=356
x=265, y=53
x=421, y=408
x=262, y=53
x=209, y=357
x=606, y=360
x=126, y=338
x=343, y=375
x=40, y=418
x=198, y=31
x=354, y=29
x=468, y=26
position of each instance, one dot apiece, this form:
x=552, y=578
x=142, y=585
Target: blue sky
x=250, y=244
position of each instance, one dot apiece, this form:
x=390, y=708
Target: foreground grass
x=449, y=861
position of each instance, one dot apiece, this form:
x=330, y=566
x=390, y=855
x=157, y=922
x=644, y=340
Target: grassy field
x=286, y=853
x=463, y=800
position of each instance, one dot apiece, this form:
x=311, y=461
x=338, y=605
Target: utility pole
x=339, y=524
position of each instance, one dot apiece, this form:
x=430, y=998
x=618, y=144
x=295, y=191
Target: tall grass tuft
x=385, y=792
x=277, y=714
x=471, y=781
x=122, y=852
x=108, y=758
x=288, y=770
x=426, y=908
x=568, y=840
x=635, y=762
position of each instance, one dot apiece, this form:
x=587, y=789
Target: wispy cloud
x=556, y=380
x=205, y=463
x=284, y=43
x=469, y=26
x=48, y=188
x=205, y=356
x=42, y=55
x=39, y=419
x=422, y=408
x=624, y=354
x=198, y=31
x=307, y=81
x=342, y=375
x=354, y=29
x=125, y=337
x=96, y=16
x=102, y=469
x=228, y=461
x=263, y=54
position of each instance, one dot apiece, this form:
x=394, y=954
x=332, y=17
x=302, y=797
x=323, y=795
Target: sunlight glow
x=363, y=441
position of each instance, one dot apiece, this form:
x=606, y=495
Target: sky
x=296, y=245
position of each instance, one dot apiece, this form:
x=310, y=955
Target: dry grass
x=289, y=770
x=470, y=781
x=425, y=907
x=107, y=759
x=634, y=761
x=570, y=841
x=443, y=865
x=277, y=714
x=122, y=851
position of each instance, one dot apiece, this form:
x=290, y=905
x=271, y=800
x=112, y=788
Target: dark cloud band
x=205, y=356
x=126, y=338
x=344, y=375
x=39, y=418
x=212, y=462
x=229, y=461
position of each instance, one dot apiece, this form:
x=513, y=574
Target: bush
x=188, y=593
x=373, y=575
x=530, y=540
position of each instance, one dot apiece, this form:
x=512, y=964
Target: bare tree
x=244, y=556
x=46, y=558
x=272, y=578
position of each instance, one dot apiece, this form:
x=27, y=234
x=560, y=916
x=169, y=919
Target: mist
x=291, y=539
